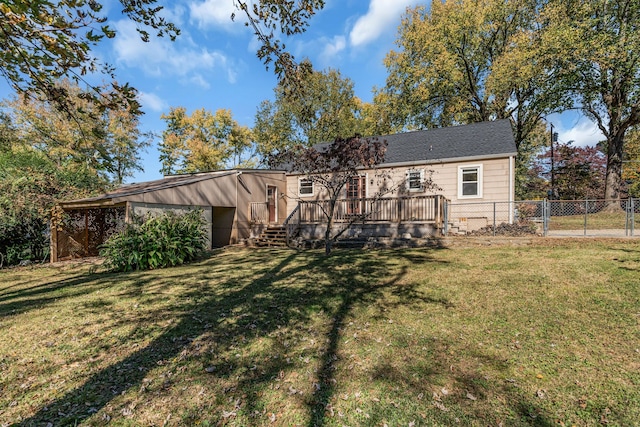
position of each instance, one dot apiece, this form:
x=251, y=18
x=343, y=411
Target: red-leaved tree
x=332, y=167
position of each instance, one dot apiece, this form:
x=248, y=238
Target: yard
x=541, y=334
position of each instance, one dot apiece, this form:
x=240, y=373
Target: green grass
x=595, y=221
x=546, y=334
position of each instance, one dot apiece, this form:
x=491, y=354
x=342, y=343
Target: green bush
x=22, y=239
x=162, y=241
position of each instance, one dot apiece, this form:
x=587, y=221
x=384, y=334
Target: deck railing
x=385, y=209
x=259, y=212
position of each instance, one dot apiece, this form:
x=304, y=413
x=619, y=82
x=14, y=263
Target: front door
x=356, y=193
x=272, y=193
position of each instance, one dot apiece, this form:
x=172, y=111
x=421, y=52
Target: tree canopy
x=323, y=108
x=465, y=61
x=596, y=46
x=202, y=141
x=43, y=41
x=108, y=142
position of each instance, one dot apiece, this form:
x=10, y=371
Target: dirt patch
x=504, y=229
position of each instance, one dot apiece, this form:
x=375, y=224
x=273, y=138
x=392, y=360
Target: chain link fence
x=544, y=217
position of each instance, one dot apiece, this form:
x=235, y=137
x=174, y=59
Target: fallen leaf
x=471, y=397
x=229, y=414
x=440, y=406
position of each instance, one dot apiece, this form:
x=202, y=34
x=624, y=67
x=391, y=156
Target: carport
x=79, y=227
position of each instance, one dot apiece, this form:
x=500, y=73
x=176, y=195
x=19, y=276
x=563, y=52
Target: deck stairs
x=272, y=236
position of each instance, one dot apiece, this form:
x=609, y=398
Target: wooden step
x=272, y=236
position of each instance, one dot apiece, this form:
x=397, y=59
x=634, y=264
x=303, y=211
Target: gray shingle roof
x=486, y=139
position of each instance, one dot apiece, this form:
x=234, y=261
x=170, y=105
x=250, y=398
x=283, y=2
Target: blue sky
x=213, y=62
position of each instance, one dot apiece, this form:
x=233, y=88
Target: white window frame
x=461, y=170
x=313, y=187
x=421, y=180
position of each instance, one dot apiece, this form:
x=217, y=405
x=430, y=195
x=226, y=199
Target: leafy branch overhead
x=265, y=18
x=43, y=41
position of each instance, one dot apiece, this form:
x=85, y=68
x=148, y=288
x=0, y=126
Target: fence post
x=627, y=215
x=633, y=216
x=494, y=219
x=545, y=217
x=630, y=222
x=586, y=215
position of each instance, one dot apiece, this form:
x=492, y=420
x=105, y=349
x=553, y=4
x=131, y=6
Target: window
x=305, y=187
x=415, y=179
x=469, y=181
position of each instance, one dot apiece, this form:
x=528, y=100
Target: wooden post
x=53, y=242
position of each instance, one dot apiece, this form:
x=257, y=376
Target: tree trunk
x=327, y=234
x=615, y=145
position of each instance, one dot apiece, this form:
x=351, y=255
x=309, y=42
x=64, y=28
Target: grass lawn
x=545, y=334
x=595, y=221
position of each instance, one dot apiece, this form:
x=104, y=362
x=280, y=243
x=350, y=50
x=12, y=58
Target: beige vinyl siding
x=252, y=187
x=497, y=185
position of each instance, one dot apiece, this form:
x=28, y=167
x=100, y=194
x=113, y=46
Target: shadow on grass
x=258, y=306
x=22, y=300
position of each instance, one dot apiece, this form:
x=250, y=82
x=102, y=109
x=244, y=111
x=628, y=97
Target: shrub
x=161, y=241
x=22, y=239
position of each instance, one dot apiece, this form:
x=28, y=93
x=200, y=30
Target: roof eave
x=433, y=161
x=448, y=160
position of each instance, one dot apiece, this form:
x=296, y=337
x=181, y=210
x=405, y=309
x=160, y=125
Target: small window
x=305, y=187
x=415, y=180
x=470, y=182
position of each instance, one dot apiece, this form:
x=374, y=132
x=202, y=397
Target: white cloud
x=381, y=17
x=582, y=131
x=216, y=13
x=333, y=47
x=153, y=102
x=161, y=57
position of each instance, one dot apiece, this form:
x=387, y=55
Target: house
x=469, y=164
x=225, y=198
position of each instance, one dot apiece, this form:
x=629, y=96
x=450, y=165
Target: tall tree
x=31, y=181
x=322, y=108
x=464, y=61
x=201, y=141
x=631, y=168
x=596, y=45
x=107, y=142
x=124, y=141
